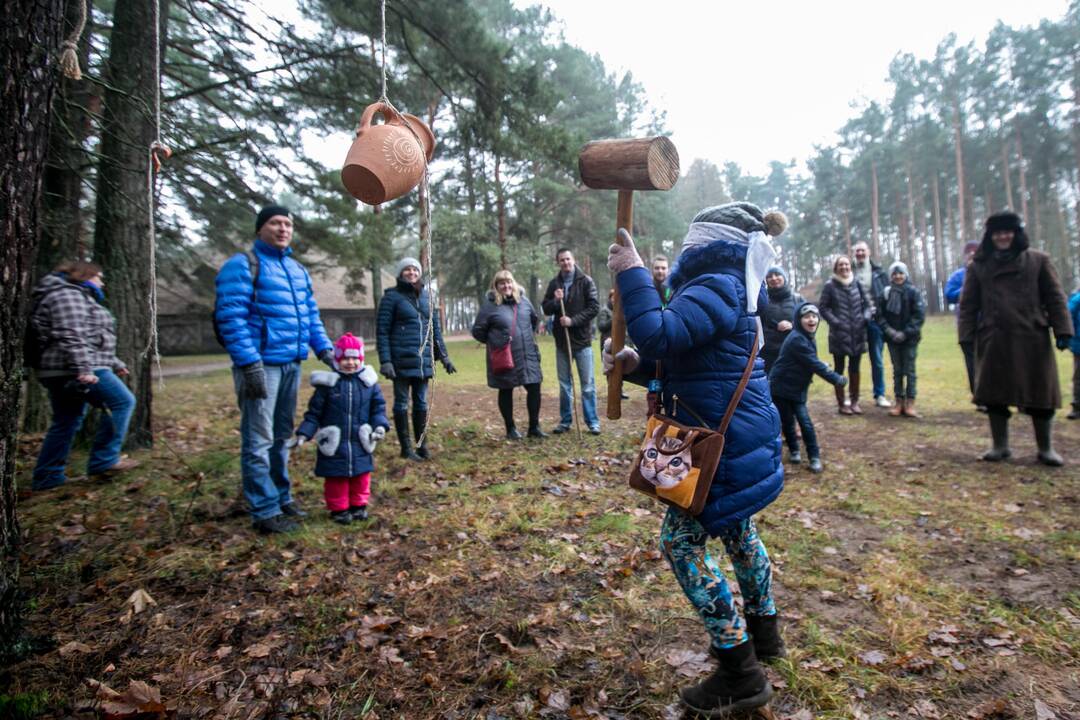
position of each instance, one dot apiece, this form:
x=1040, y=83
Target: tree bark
x=29, y=44
x=939, y=238
x=1007, y=172
x=875, y=247
x=958, y=142
x=62, y=185
x=124, y=202
x=1023, y=174
x=500, y=208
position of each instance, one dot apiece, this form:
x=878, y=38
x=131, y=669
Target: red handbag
x=502, y=359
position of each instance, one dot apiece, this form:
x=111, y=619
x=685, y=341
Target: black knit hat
x=268, y=212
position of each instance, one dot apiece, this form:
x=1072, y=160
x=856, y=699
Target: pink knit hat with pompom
x=348, y=345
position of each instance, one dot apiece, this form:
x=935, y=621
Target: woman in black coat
x=846, y=306
x=776, y=317
x=508, y=317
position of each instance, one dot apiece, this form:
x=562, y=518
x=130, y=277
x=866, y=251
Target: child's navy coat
x=347, y=400
x=798, y=361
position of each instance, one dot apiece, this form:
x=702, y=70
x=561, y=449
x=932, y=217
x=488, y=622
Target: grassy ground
x=521, y=580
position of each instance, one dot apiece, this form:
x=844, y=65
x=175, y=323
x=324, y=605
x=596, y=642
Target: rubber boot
x=909, y=408
x=738, y=683
x=1043, y=431
x=419, y=423
x=898, y=408
x=999, y=432
x=401, y=425
x=853, y=393
x=842, y=408
x=765, y=633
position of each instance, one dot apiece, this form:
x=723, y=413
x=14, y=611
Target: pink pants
x=341, y=493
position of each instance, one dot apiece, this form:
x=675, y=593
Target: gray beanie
x=898, y=266
x=407, y=262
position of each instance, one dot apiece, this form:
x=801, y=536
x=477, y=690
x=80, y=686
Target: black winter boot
x=401, y=425
x=419, y=423
x=765, y=633
x=999, y=431
x=1043, y=427
x=738, y=683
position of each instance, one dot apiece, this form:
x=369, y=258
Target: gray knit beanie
x=405, y=263
x=898, y=266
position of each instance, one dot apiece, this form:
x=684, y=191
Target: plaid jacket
x=77, y=333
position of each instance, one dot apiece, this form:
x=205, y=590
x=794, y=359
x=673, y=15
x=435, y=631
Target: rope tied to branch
x=69, y=55
x=156, y=151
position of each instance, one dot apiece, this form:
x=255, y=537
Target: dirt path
x=193, y=369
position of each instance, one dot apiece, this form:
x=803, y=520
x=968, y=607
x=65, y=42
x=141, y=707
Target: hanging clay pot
x=385, y=161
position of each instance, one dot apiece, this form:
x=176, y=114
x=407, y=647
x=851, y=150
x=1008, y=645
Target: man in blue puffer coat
x=703, y=339
x=267, y=326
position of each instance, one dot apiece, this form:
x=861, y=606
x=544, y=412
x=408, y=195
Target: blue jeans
x=69, y=401
x=584, y=360
x=791, y=412
x=265, y=426
x=403, y=387
x=875, y=340
x=903, y=360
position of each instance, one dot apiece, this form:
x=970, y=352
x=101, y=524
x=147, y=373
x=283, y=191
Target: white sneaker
x=882, y=402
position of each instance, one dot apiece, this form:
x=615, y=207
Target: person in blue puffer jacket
x=407, y=350
x=1074, y=345
x=703, y=339
x=267, y=318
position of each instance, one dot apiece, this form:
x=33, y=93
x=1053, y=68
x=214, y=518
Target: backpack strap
x=737, y=396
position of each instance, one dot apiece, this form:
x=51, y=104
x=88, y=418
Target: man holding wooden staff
x=572, y=299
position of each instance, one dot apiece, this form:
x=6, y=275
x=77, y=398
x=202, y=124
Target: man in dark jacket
x=266, y=313
x=572, y=299
x=874, y=281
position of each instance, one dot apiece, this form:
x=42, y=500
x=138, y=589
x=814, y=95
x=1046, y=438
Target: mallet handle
x=624, y=219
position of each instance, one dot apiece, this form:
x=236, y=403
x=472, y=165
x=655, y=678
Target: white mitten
x=328, y=439
x=295, y=441
x=630, y=358
x=378, y=433
x=365, y=438
x=623, y=257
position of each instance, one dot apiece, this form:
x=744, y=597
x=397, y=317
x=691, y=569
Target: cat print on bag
x=665, y=471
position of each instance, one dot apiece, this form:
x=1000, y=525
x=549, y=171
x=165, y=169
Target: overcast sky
x=760, y=81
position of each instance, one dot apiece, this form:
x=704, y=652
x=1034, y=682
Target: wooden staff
x=570, y=360
x=626, y=165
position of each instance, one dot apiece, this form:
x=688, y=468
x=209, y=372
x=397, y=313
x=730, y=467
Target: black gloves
x=254, y=385
x=327, y=356
x=388, y=371
x=448, y=366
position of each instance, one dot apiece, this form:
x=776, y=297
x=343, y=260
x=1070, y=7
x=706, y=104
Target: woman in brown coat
x=1010, y=301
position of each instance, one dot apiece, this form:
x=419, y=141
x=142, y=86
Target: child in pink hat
x=347, y=417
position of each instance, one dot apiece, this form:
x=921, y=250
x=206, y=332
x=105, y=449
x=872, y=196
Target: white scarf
x=760, y=254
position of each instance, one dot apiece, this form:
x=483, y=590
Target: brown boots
x=898, y=408
x=905, y=407
x=842, y=407
x=853, y=392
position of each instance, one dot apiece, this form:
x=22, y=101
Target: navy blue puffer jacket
x=279, y=320
x=349, y=402
x=401, y=331
x=704, y=338
x=797, y=363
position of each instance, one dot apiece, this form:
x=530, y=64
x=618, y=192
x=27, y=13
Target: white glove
x=630, y=358
x=623, y=257
x=296, y=441
x=365, y=438
x=378, y=433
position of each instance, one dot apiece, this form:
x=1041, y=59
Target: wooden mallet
x=626, y=166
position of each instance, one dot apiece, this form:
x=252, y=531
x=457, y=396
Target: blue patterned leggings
x=682, y=540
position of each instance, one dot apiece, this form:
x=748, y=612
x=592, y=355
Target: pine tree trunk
x=910, y=249
x=939, y=239
x=376, y=271
x=29, y=43
x=875, y=247
x=954, y=240
x=500, y=205
x=1007, y=172
x=958, y=142
x=847, y=233
x=122, y=230
x=929, y=278
x=1023, y=174
x=61, y=212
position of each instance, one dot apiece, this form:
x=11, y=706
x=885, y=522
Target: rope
x=383, y=97
x=69, y=56
x=152, y=166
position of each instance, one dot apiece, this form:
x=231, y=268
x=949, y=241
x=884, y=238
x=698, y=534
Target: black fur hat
x=1004, y=220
